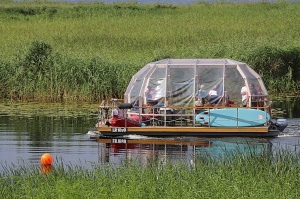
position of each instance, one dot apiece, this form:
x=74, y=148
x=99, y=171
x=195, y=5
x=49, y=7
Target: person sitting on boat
x=247, y=94
x=244, y=91
x=253, y=94
x=151, y=101
x=150, y=96
x=201, y=94
x=226, y=100
x=214, y=95
x=260, y=98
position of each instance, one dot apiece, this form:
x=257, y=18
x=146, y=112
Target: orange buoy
x=46, y=159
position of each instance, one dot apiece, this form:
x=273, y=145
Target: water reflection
x=286, y=107
x=175, y=149
x=23, y=139
x=30, y=130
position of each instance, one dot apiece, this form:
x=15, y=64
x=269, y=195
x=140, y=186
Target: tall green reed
x=235, y=174
x=96, y=48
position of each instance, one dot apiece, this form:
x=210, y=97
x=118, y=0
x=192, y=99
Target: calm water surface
x=26, y=132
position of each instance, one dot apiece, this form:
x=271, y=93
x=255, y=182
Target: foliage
x=278, y=67
x=89, y=51
x=237, y=175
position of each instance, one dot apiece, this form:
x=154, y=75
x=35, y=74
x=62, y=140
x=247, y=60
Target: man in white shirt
x=244, y=91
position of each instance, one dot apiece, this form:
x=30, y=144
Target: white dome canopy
x=175, y=82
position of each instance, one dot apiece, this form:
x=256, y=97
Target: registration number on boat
x=118, y=141
x=119, y=130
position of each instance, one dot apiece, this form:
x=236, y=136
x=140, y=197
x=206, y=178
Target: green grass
x=235, y=175
x=134, y=33
x=89, y=51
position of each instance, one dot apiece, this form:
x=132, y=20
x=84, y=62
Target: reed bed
x=89, y=51
x=234, y=175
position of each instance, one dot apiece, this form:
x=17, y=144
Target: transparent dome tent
x=192, y=97
x=176, y=82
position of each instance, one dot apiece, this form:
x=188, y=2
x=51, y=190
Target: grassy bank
x=241, y=176
x=62, y=51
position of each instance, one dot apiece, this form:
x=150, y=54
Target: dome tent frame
x=161, y=98
x=174, y=82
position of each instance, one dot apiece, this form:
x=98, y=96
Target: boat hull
x=262, y=131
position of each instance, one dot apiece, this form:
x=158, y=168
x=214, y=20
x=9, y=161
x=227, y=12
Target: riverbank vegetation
x=53, y=51
x=235, y=175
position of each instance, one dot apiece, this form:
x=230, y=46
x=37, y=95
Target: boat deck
x=178, y=123
x=262, y=131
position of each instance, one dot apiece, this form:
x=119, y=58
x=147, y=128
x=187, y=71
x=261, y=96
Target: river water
x=29, y=130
